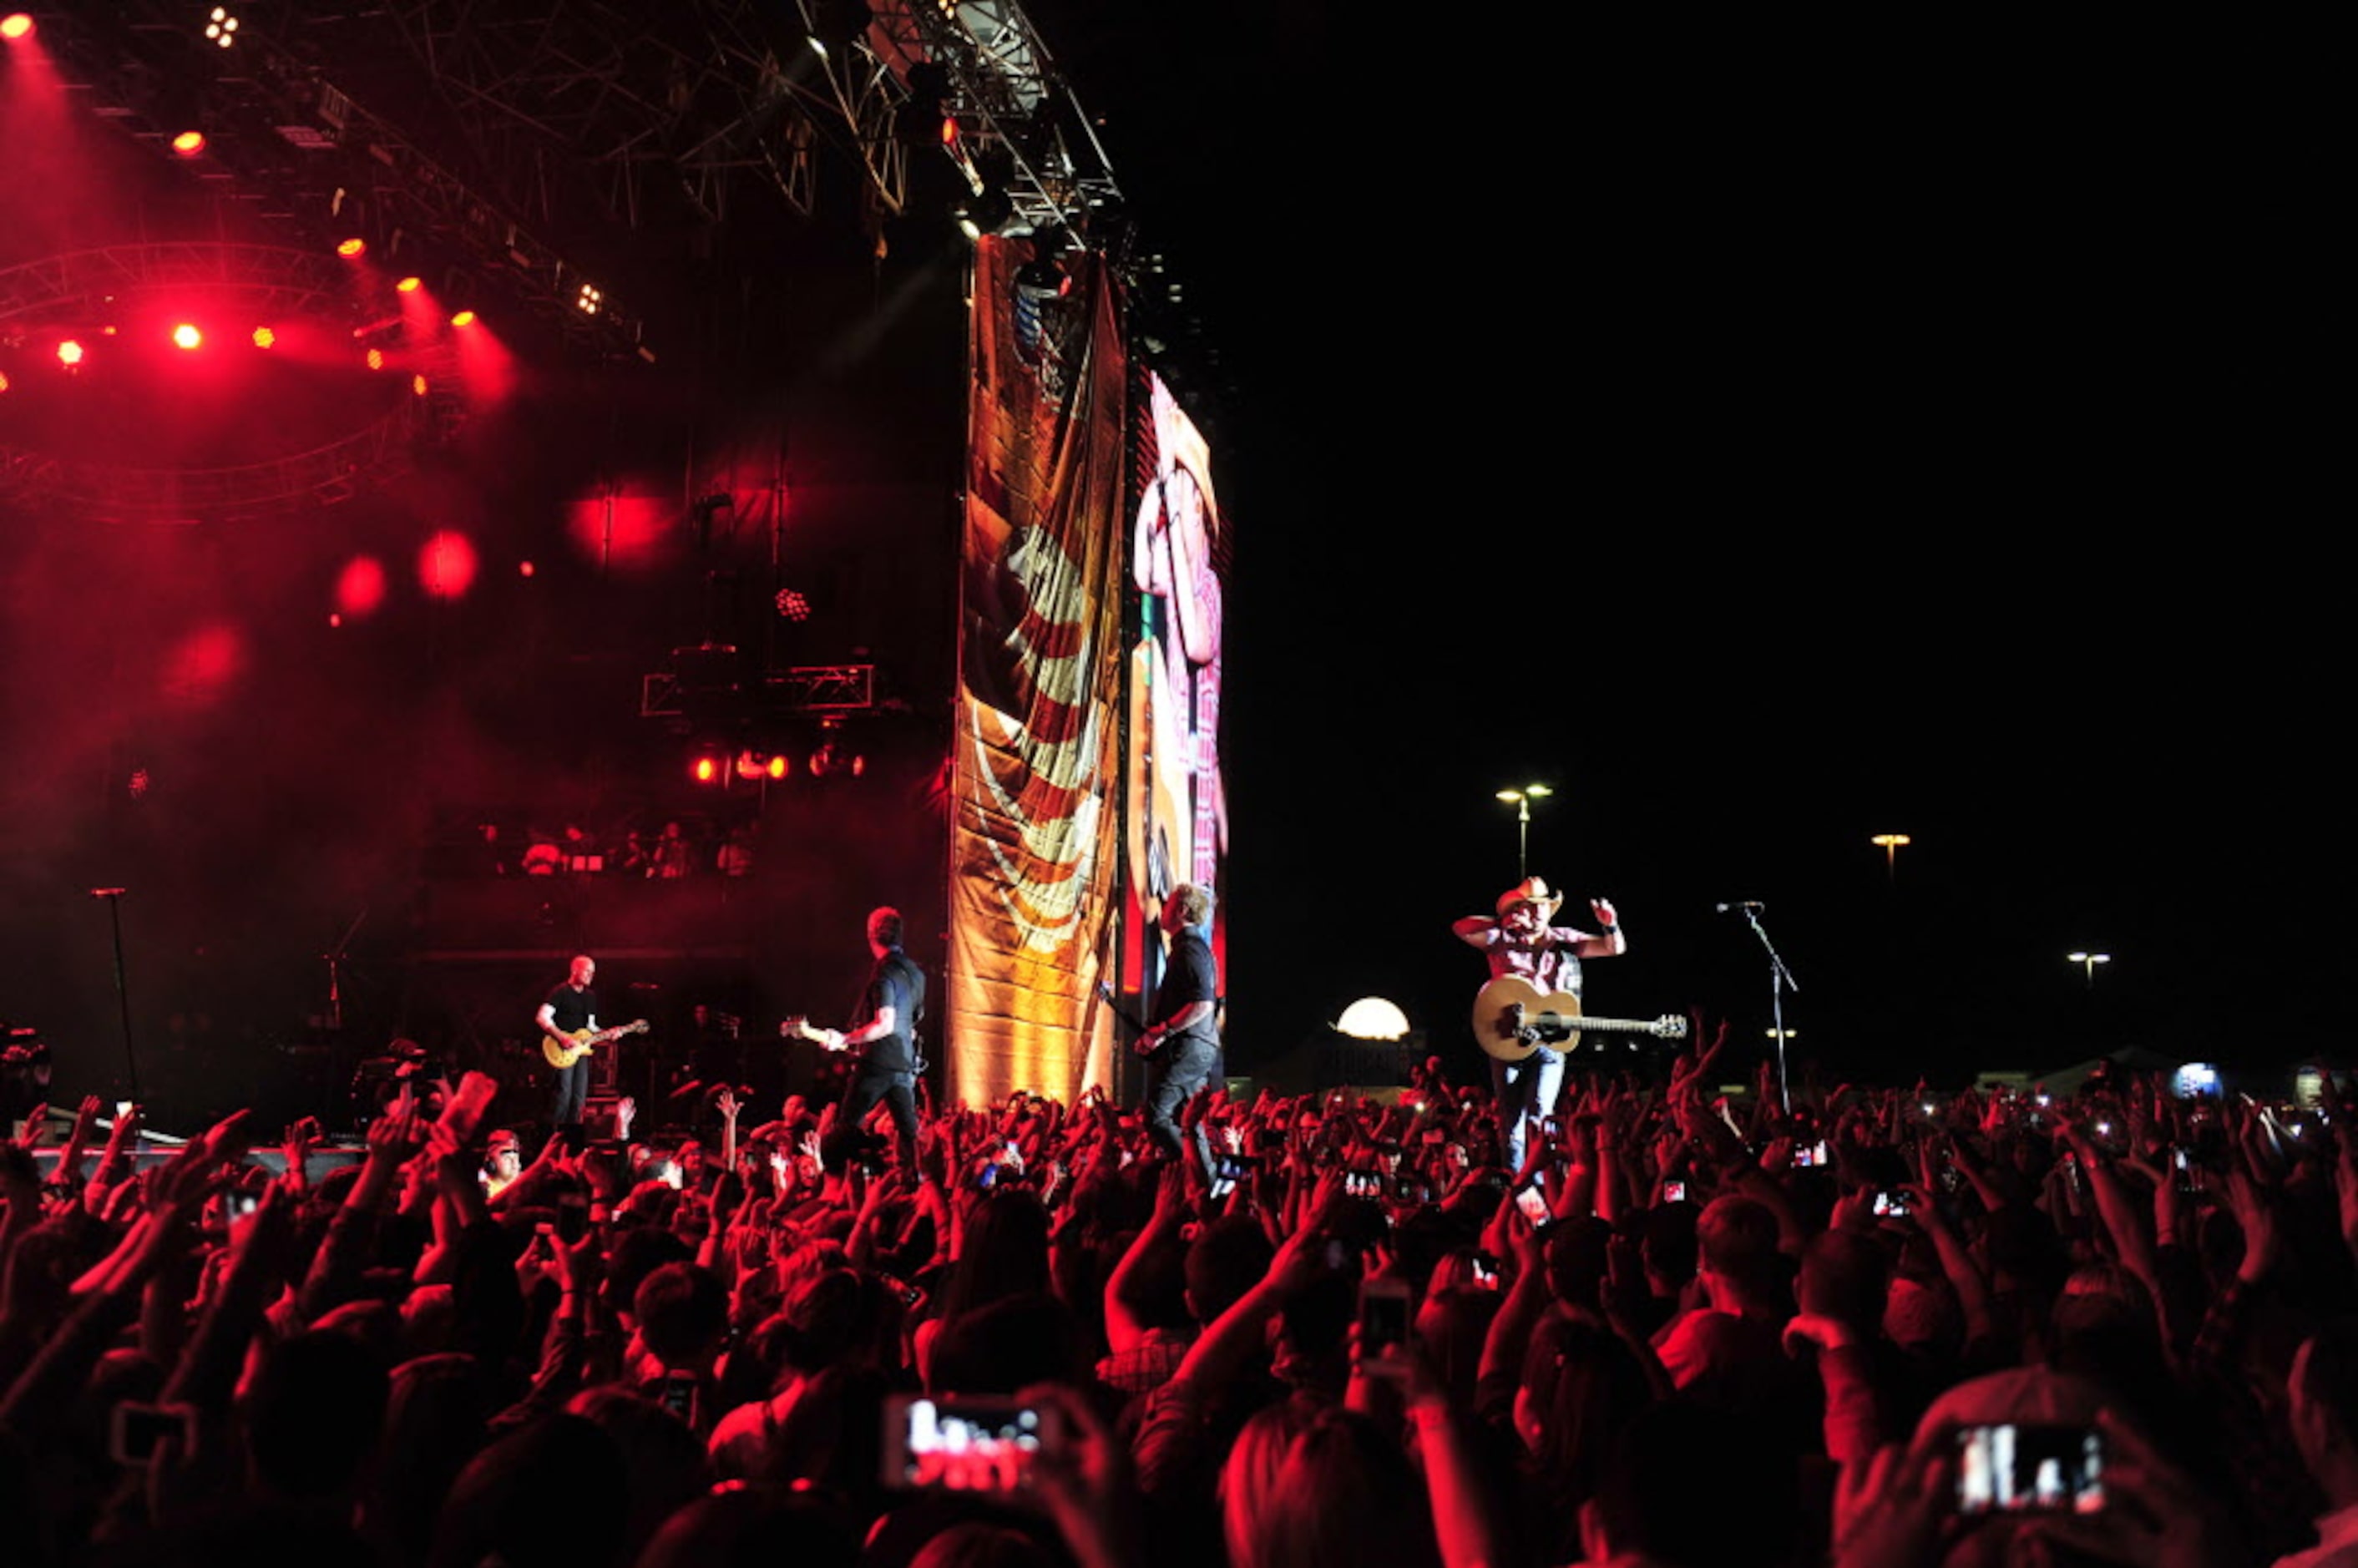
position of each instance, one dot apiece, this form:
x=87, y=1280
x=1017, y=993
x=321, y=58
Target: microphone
x=108, y=892
x=1741, y=903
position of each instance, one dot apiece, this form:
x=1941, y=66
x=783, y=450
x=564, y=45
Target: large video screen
x=1176, y=820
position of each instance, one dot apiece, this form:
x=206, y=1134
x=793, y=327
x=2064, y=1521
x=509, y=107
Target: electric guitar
x=799, y=1027
x=1513, y=1018
x=584, y=1041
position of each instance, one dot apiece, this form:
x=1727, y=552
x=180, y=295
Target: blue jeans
x=1524, y=1092
x=569, y=1095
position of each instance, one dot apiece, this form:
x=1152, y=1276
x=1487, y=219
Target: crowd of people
x=1887, y=1326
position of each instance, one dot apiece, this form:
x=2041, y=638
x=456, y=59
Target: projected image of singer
x=1523, y=940
x=1182, y=1048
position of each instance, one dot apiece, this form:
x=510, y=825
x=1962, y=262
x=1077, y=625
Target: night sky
x=1767, y=446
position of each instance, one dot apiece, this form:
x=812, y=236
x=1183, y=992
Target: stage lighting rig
x=14, y=26
x=221, y=27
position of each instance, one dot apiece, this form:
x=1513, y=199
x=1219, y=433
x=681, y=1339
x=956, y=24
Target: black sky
x=1767, y=447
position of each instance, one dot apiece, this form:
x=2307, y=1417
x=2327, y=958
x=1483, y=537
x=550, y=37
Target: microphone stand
x=114, y=897
x=1781, y=981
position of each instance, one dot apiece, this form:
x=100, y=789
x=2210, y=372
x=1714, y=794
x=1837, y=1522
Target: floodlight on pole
x=2088, y=962
x=1521, y=799
x=1891, y=844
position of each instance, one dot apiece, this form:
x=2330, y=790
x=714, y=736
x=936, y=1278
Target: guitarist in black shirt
x=885, y=1039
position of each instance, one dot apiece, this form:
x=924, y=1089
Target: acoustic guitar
x=1513, y=1018
x=584, y=1041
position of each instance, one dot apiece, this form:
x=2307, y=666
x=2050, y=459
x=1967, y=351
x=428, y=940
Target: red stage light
x=463, y=319
x=16, y=25
x=705, y=770
x=778, y=769
x=524, y=568
x=376, y=359
x=410, y=285
x=417, y=385
x=360, y=589
x=188, y=337
x=446, y=567
x=189, y=144
x=264, y=337
x=69, y=353
x=352, y=247
x=4, y=381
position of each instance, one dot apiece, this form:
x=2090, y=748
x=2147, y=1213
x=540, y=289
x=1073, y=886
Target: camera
x=962, y=1444
x=2021, y=1469
x=135, y=1429
x=1385, y=1321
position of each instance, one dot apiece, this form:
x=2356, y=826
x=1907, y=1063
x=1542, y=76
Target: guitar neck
x=1587, y=1024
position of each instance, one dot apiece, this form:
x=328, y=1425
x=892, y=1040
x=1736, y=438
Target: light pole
x=1521, y=799
x=1891, y=844
x=2088, y=962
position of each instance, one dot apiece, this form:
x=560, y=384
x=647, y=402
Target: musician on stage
x=1182, y=1048
x=885, y=1039
x=1523, y=940
x=571, y=1006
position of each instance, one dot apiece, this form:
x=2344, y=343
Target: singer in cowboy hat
x=1523, y=939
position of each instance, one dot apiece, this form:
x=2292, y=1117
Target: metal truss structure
x=680, y=694
x=690, y=97
x=267, y=282
x=1019, y=127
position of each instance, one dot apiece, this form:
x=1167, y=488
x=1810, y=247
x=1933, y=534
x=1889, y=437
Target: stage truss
x=267, y=284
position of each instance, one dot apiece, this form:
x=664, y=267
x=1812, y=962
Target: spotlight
x=189, y=144
x=588, y=300
x=16, y=25
x=4, y=381
x=793, y=604
x=1042, y=279
x=410, y=285
x=353, y=248
x=463, y=319
x=417, y=387
x=376, y=359
x=985, y=213
x=705, y=769
x=264, y=337
x=188, y=337
x=221, y=27
x=69, y=353
x=751, y=764
x=776, y=767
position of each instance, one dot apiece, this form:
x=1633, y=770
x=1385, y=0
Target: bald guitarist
x=1523, y=940
x=570, y=1007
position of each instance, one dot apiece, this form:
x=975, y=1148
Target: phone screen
x=964, y=1444
x=2045, y=1469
